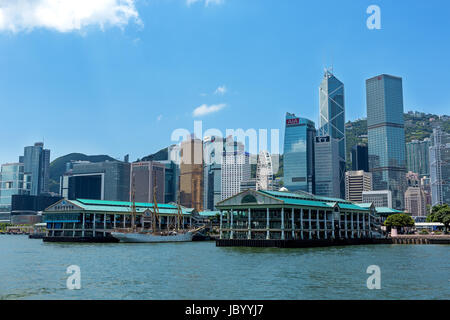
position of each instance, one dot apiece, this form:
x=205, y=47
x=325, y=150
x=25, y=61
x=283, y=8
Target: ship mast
x=179, y=212
x=155, y=214
x=133, y=205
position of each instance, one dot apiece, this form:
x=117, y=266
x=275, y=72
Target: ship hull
x=151, y=238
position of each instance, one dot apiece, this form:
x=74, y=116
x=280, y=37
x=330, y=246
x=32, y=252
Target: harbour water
x=32, y=269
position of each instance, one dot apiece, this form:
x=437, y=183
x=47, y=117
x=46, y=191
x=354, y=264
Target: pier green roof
x=123, y=206
x=302, y=195
x=122, y=203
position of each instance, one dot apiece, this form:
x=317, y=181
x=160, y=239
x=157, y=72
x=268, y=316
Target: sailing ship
x=175, y=232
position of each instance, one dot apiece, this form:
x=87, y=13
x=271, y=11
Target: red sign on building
x=292, y=122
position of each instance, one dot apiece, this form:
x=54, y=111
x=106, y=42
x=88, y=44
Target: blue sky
x=119, y=83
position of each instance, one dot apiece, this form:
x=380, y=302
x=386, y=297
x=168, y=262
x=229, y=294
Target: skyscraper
x=146, y=175
x=415, y=202
x=440, y=167
x=213, y=147
x=235, y=168
x=327, y=170
x=332, y=118
x=360, y=158
x=380, y=198
x=299, y=154
x=386, y=136
x=36, y=162
x=417, y=156
x=264, y=172
x=191, y=173
x=356, y=182
x=108, y=180
x=13, y=181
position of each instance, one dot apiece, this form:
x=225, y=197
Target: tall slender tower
x=386, y=131
x=191, y=173
x=440, y=167
x=299, y=154
x=36, y=162
x=332, y=118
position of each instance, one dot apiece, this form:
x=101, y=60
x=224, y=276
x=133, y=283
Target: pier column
x=339, y=224
x=249, y=235
x=293, y=223
x=124, y=221
x=325, y=223
x=317, y=224
x=221, y=223
x=333, y=235
x=114, y=221
x=358, y=228
x=282, y=223
x=301, y=223
x=82, y=226
x=346, y=227
x=93, y=229
x=370, y=228
x=364, y=225
x=309, y=221
x=231, y=225
x=267, y=225
x=104, y=224
x=353, y=226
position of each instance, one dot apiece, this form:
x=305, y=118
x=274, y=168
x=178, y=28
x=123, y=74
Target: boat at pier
x=175, y=232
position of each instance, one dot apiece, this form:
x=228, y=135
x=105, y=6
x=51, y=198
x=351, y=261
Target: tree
x=440, y=213
x=399, y=220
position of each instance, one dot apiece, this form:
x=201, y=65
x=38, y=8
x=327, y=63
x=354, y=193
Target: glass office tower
x=385, y=124
x=13, y=181
x=417, y=156
x=36, y=162
x=332, y=118
x=299, y=154
x=360, y=158
x=440, y=167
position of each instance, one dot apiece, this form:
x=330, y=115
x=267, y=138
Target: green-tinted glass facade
x=417, y=156
x=386, y=136
x=299, y=154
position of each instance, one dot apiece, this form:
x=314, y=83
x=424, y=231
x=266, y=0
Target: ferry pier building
x=283, y=219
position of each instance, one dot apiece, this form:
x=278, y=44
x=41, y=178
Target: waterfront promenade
x=421, y=239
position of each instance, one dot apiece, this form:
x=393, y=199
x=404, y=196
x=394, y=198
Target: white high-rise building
x=264, y=172
x=235, y=169
x=380, y=198
x=415, y=202
x=356, y=182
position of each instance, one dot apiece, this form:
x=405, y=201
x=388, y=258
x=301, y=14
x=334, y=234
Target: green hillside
x=58, y=166
x=161, y=155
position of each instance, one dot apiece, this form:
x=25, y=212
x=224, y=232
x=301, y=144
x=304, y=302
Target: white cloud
x=221, y=90
x=65, y=15
x=207, y=2
x=205, y=109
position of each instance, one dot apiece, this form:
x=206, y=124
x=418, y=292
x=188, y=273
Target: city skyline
x=80, y=84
